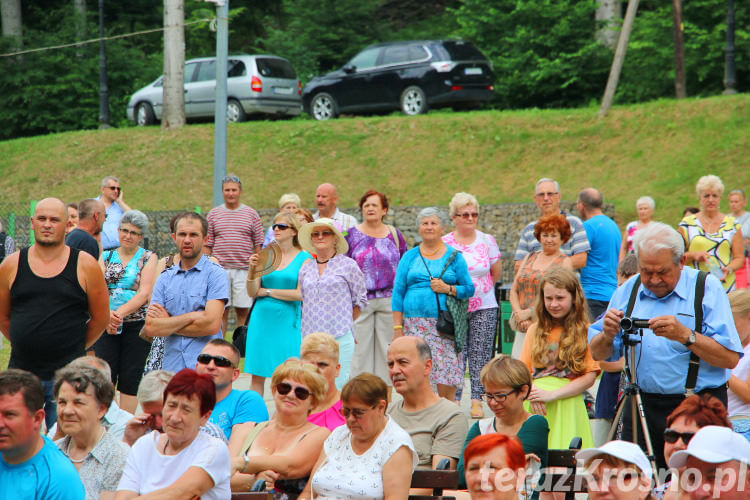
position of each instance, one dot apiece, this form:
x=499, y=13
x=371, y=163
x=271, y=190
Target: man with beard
x=53, y=300
x=188, y=299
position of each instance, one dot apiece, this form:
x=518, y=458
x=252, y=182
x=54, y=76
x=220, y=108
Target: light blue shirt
x=182, y=291
x=662, y=364
x=48, y=475
x=599, y=276
x=110, y=229
x=237, y=408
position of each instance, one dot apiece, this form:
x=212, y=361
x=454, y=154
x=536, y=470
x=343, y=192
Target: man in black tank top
x=53, y=300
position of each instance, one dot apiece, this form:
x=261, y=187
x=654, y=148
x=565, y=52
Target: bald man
x=326, y=199
x=53, y=300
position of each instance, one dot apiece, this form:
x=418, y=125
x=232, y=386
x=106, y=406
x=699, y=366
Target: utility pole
x=103, y=88
x=220, y=115
x=173, y=114
x=730, y=74
x=622, y=47
x=680, y=85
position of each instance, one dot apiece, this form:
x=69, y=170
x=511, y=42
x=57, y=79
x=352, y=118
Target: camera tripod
x=632, y=396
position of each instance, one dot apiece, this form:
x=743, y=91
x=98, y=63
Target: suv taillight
x=299, y=88
x=256, y=85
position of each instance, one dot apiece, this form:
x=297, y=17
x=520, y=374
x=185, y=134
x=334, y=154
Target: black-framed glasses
x=131, y=233
x=498, y=397
x=548, y=194
x=280, y=227
x=219, y=361
x=671, y=436
x=357, y=413
x=468, y=215
x=301, y=393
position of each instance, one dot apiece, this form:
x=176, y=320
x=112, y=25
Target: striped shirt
x=233, y=235
x=578, y=243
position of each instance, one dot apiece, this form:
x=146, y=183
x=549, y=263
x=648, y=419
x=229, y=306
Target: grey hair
x=151, y=388
x=461, y=200
x=709, y=182
x=423, y=349
x=289, y=198
x=737, y=191
x=645, y=200
x=547, y=179
x=432, y=212
x=109, y=178
x=136, y=218
x=659, y=236
x=80, y=378
x=93, y=362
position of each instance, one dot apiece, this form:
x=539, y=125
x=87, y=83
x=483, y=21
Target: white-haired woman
x=130, y=272
x=427, y=274
x=713, y=240
x=333, y=288
x=645, y=206
x=482, y=256
x=288, y=203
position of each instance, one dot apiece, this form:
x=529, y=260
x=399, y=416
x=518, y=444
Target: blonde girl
x=556, y=352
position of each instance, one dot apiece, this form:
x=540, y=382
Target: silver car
x=256, y=84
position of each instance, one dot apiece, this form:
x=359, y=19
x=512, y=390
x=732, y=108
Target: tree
x=173, y=115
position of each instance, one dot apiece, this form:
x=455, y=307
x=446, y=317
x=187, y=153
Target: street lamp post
x=103, y=88
x=730, y=73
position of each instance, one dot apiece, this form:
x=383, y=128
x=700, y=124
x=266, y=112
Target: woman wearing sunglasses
x=507, y=383
x=377, y=455
x=277, y=306
x=332, y=288
x=485, y=267
x=283, y=450
x=692, y=414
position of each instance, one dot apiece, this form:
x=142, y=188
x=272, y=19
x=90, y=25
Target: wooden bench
x=439, y=479
x=560, y=474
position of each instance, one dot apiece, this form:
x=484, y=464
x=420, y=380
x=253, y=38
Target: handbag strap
x=451, y=258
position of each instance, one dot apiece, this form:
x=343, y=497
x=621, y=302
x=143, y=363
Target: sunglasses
x=357, y=413
x=280, y=227
x=219, y=361
x=113, y=188
x=301, y=393
x=498, y=396
x=468, y=215
x=321, y=234
x=671, y=436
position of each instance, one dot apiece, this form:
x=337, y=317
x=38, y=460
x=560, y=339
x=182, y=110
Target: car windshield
x=463, y=51
x=275, y=68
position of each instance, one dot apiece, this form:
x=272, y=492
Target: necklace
x=325, y=261
x=430, y=254
x=165, y=447
x=80, y=461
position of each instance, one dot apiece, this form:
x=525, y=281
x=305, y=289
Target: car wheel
x=413, y=101
x=144, y=115
x=235, y=111
x=323, y=107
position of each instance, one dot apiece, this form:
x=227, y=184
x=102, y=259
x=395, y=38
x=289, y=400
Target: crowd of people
x=120, y=381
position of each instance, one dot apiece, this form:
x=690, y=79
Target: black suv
x=410, y=76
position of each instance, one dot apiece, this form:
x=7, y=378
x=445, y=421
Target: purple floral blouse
x=329, y=299
x=377, y=258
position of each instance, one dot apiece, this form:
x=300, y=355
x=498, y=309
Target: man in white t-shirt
x=437, y=426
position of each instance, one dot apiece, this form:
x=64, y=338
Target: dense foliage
x=544, y=53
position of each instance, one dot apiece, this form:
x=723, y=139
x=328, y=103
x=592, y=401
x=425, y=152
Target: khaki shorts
x=238, y=296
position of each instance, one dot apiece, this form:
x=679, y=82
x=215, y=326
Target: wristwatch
x=691, y=339
x=268, y=292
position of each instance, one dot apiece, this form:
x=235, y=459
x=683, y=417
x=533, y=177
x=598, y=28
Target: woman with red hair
x=551, y=231
x=495, y=467
x=182, y=460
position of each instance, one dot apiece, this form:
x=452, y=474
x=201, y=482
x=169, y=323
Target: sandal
x=477, y=411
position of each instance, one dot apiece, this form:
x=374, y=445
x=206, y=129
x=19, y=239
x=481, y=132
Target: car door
x=394, y=71
x=203, y=90
x=356, y=87
x=188, y=78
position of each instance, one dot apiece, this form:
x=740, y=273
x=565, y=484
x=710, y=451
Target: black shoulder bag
x=445, y=324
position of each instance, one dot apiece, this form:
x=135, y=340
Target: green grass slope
x=658, y=149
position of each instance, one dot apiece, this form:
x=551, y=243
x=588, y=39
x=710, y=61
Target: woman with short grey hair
x=645, y=206
x=426, y=274
x=130, y=272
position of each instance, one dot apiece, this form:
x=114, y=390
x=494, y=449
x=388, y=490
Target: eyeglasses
x=280, y=227
x=131, y=233
x=321, y=234
x=468, y=215
x=301, y=393
x=498, y=397
x=671, y=436
x=549, y=194
x=357, y=413
x=219, y=361
x=114, y=188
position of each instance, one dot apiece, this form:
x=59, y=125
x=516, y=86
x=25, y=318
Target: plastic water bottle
x=715, y=270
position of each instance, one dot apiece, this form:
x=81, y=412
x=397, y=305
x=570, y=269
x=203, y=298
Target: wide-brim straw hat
x=305, y=240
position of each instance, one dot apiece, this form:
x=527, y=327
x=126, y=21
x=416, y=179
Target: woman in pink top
x=322, y=350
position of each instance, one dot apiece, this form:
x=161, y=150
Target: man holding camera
x=665, y=298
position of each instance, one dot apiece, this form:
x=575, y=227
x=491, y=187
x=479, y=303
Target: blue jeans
x=50, y=405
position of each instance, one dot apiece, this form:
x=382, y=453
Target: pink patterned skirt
x=447, y=365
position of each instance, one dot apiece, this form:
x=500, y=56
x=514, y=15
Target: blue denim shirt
x=182, y=291
x=662, y=364
x=110, y=229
